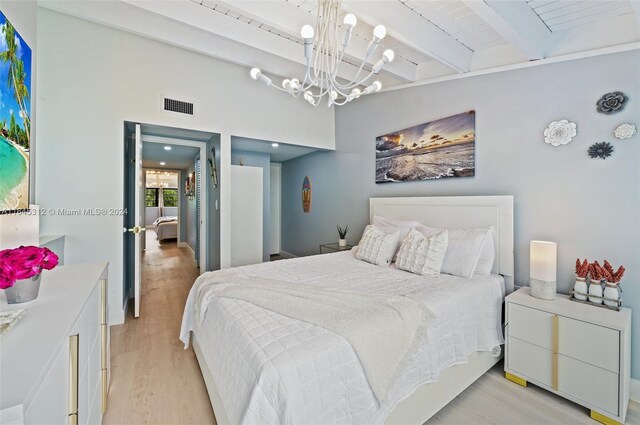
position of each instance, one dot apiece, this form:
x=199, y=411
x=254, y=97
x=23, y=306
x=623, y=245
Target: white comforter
x=167, y=229
x=381, y=329
x=271, y=369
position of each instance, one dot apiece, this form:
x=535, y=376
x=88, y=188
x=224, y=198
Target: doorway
x=170, y=216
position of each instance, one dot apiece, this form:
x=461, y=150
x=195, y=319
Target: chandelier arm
x=351, y=83
x=361, y=82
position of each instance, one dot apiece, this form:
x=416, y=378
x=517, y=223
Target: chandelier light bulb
x=350, y=20
x=308, y=95
x=374, y=87
x=382, y=61
x=255, y=73
x=355, y=93
x=324, y=54
x=306, y=32
x=379, y=32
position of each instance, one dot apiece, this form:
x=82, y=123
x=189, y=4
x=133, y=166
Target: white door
x=275, y=183
x=138, y=228
x=246, y=221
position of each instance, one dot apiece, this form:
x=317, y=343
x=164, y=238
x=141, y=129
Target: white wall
x=92, y=78
x=150, y=215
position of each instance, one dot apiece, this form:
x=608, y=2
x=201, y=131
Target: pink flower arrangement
x=24, y=263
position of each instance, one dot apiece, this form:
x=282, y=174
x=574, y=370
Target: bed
x=264, y=367
x=166, y=228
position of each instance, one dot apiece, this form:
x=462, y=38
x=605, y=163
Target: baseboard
x=285, y=254
x=635, y=390
x=186, y=245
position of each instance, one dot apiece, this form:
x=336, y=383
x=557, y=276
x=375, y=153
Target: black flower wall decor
x=600, y=150
x=611, y=103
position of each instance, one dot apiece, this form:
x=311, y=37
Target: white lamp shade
x=542, y=260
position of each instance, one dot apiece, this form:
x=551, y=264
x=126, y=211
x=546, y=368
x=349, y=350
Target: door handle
x=135, y=230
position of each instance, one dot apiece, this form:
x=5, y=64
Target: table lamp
x=542, y=269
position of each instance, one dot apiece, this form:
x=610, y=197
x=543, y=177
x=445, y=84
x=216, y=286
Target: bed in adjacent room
x=166, y=228
x=268, y=367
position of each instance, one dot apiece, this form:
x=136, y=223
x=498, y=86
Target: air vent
x=178, y=106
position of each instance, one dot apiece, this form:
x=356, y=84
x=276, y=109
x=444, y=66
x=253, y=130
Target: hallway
x=153, y=379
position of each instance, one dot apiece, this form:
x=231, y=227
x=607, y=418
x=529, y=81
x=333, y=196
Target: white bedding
x=166, y=230
x=271, y=369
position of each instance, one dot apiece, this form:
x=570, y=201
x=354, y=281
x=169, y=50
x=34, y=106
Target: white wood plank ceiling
x=430, y=38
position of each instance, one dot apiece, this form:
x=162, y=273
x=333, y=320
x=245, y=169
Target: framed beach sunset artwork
x=15, y=118
x=437, y=149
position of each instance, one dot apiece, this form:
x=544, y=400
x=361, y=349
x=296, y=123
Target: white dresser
x=577, y=351
x=54, y=363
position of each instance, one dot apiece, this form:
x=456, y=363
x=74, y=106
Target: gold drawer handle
x=105, y=389
x=554, y=349
x=103, y=302
x=103, y=354
x=73, y=378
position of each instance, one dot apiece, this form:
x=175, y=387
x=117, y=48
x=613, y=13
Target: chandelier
x=324, y=53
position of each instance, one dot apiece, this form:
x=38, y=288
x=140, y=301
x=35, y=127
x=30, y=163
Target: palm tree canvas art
x=15, y=118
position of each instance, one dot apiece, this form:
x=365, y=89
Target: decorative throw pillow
x=389, y=225
x=487, y=256
x=377, y=247
x=422, y=254
x=463, y=251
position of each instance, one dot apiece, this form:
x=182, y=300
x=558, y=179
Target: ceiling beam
x=287, y=17
x=517, y=23
x=411, y=29
x=226, y=26
x=190, y=25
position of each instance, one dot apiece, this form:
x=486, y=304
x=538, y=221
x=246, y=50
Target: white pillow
x=487, y=256
x=422, y=255
x=377, y=247
x=465, y=248
x=463, y=251
x=389, y=225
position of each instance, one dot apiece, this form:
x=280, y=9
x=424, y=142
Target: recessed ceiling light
x=167, y=148
x=163, y=163
x=274, y=145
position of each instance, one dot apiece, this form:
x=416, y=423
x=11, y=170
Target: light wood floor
x=155, y=381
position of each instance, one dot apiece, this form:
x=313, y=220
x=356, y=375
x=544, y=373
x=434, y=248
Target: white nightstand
x=578, y=351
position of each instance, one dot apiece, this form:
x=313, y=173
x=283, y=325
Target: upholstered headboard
x=459, y=212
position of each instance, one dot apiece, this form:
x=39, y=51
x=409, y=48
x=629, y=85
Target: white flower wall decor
x=624, y=131
x=560, y=132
